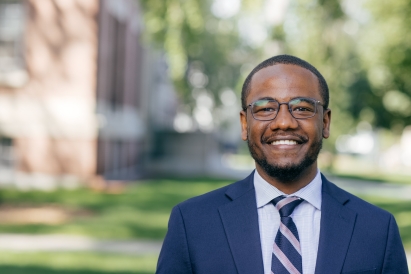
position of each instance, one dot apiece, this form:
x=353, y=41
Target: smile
x=284, y=142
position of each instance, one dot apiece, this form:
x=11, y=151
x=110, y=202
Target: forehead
x=283, y=82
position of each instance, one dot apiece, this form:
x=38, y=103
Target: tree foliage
x=385, y=52
x=362, y=48
x=197, y=44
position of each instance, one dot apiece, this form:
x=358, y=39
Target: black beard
x=291, y=171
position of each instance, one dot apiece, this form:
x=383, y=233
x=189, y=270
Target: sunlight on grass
x=403, y=219
x=353, y=167
x=141, y=211
x=85, y=262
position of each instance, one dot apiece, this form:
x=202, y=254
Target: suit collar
x=241, y=187
x=240, y=221
x=337, y=225
x=341, y=196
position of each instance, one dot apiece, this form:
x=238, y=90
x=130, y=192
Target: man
x=285, y=217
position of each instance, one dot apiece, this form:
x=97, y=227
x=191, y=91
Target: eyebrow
x=271, y=98
x=266, y=98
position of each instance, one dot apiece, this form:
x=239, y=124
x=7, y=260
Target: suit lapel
x=337, y=224
x=240, y=221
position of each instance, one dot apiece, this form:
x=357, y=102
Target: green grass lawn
x=75, y=263
x=140, y=212
x=375, y=177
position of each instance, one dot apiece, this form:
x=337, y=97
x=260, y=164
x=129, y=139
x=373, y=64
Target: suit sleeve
x=395, y=261
x=174, y=256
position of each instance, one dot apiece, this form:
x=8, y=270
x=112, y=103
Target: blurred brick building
x=74, y=91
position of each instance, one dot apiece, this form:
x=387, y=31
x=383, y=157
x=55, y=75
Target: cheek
x=314, y=130
x=257, y=130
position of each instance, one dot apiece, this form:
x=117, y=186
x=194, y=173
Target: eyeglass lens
x=300, y=108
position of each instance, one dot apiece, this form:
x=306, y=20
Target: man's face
x=285, y=160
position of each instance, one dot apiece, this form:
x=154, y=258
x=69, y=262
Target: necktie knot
x=286, y=205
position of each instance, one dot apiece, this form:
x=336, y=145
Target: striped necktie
x=286, y=257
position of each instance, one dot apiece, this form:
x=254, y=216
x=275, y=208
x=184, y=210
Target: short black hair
x=285, y=59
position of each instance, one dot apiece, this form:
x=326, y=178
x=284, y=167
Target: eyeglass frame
x=316, y=102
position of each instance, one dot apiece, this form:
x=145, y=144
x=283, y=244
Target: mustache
x=272, y=137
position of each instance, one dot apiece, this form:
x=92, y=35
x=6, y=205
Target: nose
x=284, y=119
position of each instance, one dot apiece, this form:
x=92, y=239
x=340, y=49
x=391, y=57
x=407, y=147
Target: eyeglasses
x=300, y=108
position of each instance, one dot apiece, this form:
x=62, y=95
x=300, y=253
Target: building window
x=12, y=25
x=7, y=157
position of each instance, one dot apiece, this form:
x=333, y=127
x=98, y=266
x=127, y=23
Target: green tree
x=315, y=31
x=385, y=52
x=204, y=52
x=362, y=48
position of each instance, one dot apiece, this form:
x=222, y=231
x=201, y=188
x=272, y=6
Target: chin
x=288, y=171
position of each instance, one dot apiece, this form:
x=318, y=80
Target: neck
x=292, y=185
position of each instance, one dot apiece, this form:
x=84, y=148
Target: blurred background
x=113, y=111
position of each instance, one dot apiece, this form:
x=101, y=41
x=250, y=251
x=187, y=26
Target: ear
x=326, y=123
x=243, y=121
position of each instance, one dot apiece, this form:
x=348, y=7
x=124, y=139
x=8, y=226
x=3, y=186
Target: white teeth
x=284, y=142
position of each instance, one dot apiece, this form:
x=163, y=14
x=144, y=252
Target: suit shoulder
x=365, y=206
x=212, y=196
x=217, y=197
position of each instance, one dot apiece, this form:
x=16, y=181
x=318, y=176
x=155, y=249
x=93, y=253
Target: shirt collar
x=265, y=192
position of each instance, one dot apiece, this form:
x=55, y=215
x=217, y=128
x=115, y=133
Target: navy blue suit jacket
x=218, y=233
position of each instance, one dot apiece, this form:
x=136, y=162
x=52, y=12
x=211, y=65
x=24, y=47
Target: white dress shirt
x=306, y=217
